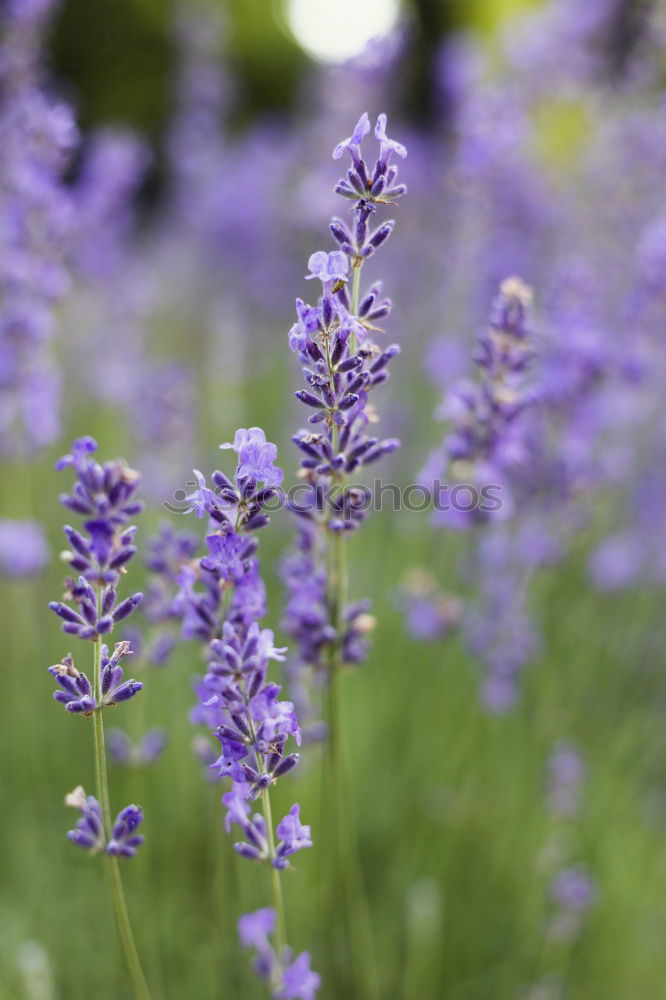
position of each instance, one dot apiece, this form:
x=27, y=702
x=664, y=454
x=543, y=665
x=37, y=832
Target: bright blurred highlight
x=336, y=30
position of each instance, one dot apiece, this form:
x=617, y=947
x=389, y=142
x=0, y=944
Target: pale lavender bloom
x=256, y=456
x=328, y=267
x=294, y=836
x=388, y=146
x=23, y=548
x=299, y=981
x=254, y=929
x=353, y=142
x=574, y=890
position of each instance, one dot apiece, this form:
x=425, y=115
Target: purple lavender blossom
x=77, y=693
x=299, y=981
x=254, y=929
x=89, y=832
x=38, y=137
x=105, y=495
x=220, y=599
x=486, y=442
x=294, y=836
x=124, y=839
x=342, y=365
x=256, y=456
x=289, y=980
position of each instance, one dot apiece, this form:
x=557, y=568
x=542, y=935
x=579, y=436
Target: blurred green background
x=448, y=801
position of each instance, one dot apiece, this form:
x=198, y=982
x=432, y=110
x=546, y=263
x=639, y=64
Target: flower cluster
x=76, y=692
x=487, y=441
x=220, y=599
x=105, y=495
x=297, y=980
x=337, y=342
x=89, y=831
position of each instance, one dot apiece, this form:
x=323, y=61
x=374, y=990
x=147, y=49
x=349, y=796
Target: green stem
x=139, y=986
x=346, y=860
x=276, y=884
x=356, y=287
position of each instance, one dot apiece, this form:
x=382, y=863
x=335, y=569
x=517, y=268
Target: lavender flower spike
x=342, y=365
x=295, y=980
x=220, y=602
x=104, y=496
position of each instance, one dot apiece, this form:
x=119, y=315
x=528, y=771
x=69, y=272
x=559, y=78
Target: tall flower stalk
x=104, y=495
x=37, y=139
x=221, y=599
x=342, y=361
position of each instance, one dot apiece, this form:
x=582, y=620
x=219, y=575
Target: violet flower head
x=104, y=494
x=294, y=836
x=487, y=442
x=89, y=831
x=124, y=839
x=288, y=980
x=76, y=692
x=338, y=343
x=299, y=981
x=256, y=457
x=254, y=929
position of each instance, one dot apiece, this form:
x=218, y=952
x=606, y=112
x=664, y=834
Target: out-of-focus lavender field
x=495, y=826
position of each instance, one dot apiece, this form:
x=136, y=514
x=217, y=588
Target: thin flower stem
x=139, y=985
x=347, y=862
x=356, y=286
x=276, y=884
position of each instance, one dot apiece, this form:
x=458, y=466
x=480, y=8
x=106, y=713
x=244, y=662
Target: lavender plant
x=342, y=364
x=485, y=453
x=38, y=135
x=220, y=601
x=104, y=496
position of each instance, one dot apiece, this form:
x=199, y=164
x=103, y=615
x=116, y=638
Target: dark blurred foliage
x=117, y=56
